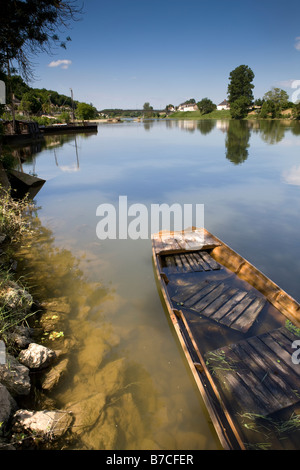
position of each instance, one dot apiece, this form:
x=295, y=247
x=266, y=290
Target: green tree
x=206, y=106
x=147, y=109
x=65, y=117
x=240, y=86
x=86, y=111
x=239, y=108
x=30, y=26
x=268, y=109
x=296, y=111
x=278, y=96
x=30, y=104
x=258, y=102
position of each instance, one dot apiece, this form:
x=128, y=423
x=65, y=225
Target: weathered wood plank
x=158, y=244
x=235, y=392
x=179, y=264
x=197, y=256
x=180, y=239
x=210, y=261
x=282, y=348
x=276, y=375
x=237, y=310
x=170, y=262
x=186, y=264
x=256, y=388
x=234, y=300
x=221, y=300
x=254, y=363
x=280, y=393
x=196, y=267
x=208, y=299
x=169, y=243
x=188, y=291
x=260, y=366
x=199, y=295
x=246, y=320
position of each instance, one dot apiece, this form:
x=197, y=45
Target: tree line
x=35, y=102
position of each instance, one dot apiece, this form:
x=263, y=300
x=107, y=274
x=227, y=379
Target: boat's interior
x=237, y=324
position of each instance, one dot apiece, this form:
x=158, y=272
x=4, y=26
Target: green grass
x=15, y=302
x=224, y=114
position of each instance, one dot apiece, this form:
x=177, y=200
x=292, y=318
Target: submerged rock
x=52, y=377
x=86, y=412
x=7, y=407
x=111, y=378
x=15, y=377
x=37, y=357
x=50, y=425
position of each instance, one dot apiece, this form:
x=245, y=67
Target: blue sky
x=126, y=52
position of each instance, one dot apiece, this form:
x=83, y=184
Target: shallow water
x=128, y=380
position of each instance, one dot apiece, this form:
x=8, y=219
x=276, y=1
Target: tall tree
x=241, y=86
x=28, y=27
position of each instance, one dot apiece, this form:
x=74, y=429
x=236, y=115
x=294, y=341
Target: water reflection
x=69, y=166
x=292, y=176
x=237, y=141
x=272, y=132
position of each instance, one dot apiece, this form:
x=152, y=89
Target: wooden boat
x=237, y=330
x=22, y=184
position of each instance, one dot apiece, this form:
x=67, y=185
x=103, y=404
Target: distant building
x=170, y=109
x=223, y=105
x=187, y=107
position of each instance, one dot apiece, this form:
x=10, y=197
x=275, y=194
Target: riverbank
x=225, y=114
x=31, y=361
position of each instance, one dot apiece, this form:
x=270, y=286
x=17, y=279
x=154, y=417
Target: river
x=127, y=372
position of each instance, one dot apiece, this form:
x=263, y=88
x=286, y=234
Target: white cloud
x=64, y=64
x=286, y=83
x=297, y=43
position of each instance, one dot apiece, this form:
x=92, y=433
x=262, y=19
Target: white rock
x=37, y=356
x=50, y=425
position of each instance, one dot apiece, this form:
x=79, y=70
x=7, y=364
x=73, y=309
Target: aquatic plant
x=292, y=328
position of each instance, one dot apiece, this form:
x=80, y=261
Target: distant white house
x=223, y=105
x=170, y=109
x=187, y=107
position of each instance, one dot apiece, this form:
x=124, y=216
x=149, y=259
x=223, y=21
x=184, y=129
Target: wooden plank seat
x=257, y=374
x=197, y=261
x=233, y=307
